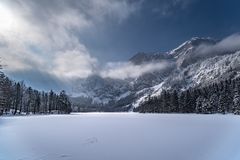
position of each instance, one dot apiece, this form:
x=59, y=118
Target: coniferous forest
x=18, y=99
x=222, y=97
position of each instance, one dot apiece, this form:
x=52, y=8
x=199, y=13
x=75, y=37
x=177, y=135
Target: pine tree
x=165, y=101
x=221, y=104
x=213, y=101
x=2, y=98
x=174, y=102
x=64, y=103
x=37, y=102
x=236, y=100
x=199, y=105
x=50, y=103
x=17, y=97
x=29, y=100
x=181, y=102
x=8, y=94
x=22, y=88
x=206, y=108
x=188, y=106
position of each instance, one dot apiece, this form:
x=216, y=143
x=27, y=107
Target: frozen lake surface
x=120, y=136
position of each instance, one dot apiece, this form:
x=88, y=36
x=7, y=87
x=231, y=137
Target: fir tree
x=174, y=102
x=236, y=100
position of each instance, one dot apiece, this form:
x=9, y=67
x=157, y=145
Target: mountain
x=188, y=52
x=196, y=62
x=142, y=57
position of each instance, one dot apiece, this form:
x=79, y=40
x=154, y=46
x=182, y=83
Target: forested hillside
x=222, y=97
x=18, y=99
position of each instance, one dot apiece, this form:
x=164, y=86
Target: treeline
x=223, y=97
x=17, y=98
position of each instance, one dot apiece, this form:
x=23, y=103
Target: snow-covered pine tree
x=199, y=104
x=213, y=101
x=206, y=108
x=236, y=99
x=17, y=97
x=2, y=98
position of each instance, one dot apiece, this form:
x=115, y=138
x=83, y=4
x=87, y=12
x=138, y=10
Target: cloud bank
x=228, y=44
x=126, y=70
x=43, y=36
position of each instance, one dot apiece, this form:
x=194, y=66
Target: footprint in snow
x=90, y=141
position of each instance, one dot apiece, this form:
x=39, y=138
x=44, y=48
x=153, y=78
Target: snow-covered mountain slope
x=194, y=63
x=101, y=90
x=201, y=73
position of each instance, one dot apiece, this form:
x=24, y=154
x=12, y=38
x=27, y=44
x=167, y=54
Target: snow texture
x=120, y=136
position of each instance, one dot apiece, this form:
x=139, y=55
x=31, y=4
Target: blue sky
x=157, y=28
x=48, y=43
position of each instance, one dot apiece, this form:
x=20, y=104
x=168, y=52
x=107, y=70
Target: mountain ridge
x=187, y=66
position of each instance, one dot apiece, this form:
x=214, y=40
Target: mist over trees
x=222, y=97
x=17, y=98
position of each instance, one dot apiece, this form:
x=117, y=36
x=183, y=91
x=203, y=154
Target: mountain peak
x=191, y=44
x=184, y=49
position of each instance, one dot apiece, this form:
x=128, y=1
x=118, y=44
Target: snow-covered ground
x=120, y=136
